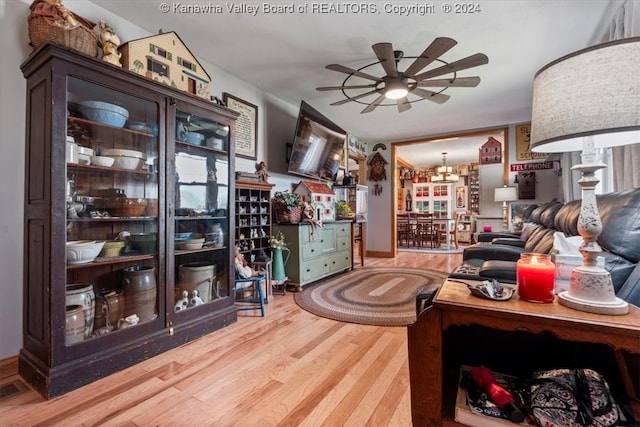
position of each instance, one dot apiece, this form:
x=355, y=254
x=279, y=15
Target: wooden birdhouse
x=321, y=196
x=491, y=152
x=166, y=59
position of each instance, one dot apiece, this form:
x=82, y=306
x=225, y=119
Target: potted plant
x=343, y=210
x=287, y=207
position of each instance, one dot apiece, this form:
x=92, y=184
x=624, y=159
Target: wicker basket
x=283, y=216
x=81, y=38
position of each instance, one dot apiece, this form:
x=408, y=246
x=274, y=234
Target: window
x=198, y=180
x=187, y=64
x=157, y=67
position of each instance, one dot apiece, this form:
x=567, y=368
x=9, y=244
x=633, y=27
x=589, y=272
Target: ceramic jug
x=197, y=276
x=82, y=294
x=279, y=263
x=74, y=324
x=140, y=292
x=181, y=131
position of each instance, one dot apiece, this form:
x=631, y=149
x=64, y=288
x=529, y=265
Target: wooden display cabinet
x=253, y=218
x=474, y=189
x=465, y=228
x=185, y=187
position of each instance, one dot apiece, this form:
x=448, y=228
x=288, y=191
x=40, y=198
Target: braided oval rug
x=382, y=296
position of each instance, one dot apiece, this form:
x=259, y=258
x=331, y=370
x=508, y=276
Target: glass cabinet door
x=112, y=190
x=200, y=239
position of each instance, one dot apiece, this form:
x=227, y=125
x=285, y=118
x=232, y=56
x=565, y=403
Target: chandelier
x=444, y=172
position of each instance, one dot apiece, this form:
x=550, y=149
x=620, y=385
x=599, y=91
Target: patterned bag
x=572, y=398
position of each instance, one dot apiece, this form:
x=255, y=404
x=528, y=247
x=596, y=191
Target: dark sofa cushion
x=620, y=214
x=619, y=239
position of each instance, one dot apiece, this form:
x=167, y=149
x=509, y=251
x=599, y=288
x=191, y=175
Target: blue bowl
x=194, y=138
x=103, y=112
x=139, y=126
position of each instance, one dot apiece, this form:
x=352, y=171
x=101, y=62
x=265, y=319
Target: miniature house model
x=491, y=152
x=320, y=196
x=166, y=59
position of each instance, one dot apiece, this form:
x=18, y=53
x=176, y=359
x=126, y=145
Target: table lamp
x=586, y=100
x=505, y=194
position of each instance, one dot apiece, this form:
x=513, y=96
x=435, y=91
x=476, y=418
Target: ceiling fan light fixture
x=396, y=88
x=396, y=84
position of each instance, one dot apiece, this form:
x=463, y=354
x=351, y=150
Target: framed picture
x=523, y=141
x=461, y=197
x=246, y=126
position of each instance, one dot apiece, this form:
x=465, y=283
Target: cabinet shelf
x=114, y=219
x=179, y=252
x=84, y=123
x=187, y=147
x=108, y=261
x=199, y=217
x=73, y=167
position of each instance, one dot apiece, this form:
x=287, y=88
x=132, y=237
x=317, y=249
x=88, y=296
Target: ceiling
x=285, y=54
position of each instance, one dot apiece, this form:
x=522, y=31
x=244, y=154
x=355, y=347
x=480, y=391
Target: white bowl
x=123, y=152
x=190, y=244
x=84, y=159
x=83, y=251
x=85, y=150
x=102, y=161
x=127, y=163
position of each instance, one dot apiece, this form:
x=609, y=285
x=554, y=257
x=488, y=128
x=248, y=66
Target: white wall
x=14, y=49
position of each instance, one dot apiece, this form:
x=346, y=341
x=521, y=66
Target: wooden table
x=454, y=305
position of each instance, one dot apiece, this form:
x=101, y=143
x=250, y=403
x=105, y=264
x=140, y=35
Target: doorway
x=425, y=155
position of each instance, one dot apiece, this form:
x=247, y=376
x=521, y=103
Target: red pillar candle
x=535, y=277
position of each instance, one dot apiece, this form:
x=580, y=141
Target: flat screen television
x=318, y=145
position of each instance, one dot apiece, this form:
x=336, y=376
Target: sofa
x=619, y=240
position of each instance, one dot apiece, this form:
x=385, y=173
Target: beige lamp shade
x=505, y=194
x=592, y=92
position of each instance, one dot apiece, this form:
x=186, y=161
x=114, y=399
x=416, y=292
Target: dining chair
x=404, y=231
x=427, y=231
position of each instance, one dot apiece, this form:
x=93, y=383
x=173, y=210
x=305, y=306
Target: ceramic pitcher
x=279, y=263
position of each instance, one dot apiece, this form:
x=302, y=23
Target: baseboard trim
x=379, y=254
x=8, y=367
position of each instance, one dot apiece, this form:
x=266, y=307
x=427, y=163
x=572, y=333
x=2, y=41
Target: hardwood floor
x=290, y=368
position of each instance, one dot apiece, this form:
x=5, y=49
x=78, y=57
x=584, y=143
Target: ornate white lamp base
x=505, y=219
x=591, y=290
x=590, y=287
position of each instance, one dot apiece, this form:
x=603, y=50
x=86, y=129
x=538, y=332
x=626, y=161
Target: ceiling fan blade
x=438, y=98
x=403, y=104
x=373, y=105
x=458, y=82
x=342, y=69
x=462, y=64
x=384, y=52
x=345, y=87
x=430, y=54
x=352, y=98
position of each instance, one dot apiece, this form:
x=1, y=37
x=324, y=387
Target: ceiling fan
x=397, y=84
